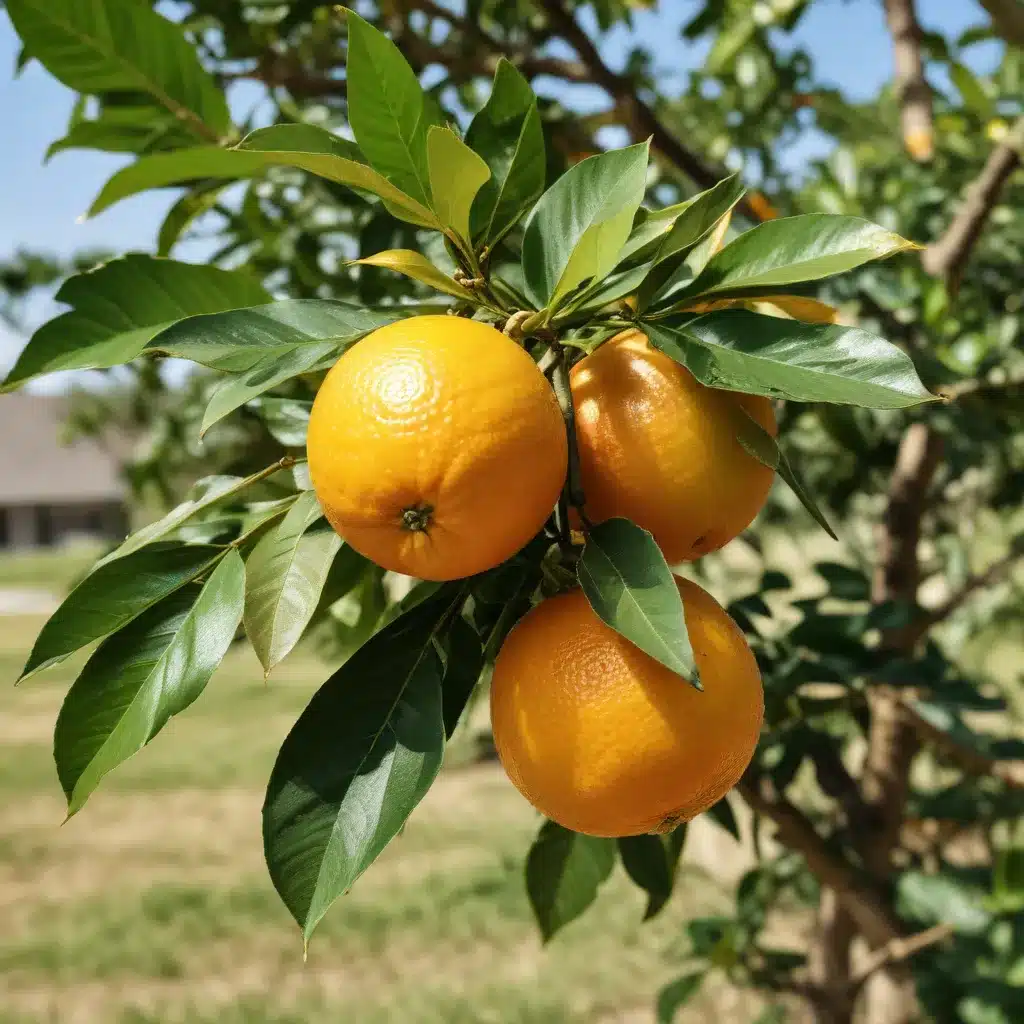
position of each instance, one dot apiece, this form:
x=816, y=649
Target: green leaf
x=387, y=111
x=463, y=664
x=302, y=146
x=767, y=355
x=649, y=228
x=122, y=46
x=650, y=861
x=630, y=586
x=799, y=488
x=753, y=438
x=118, y=307
x=612, y=288
x=692, y=225
x=189, y=207
x=722, y=815
x=273, y=369
x=415, y=265
x=581, y=223
x=115, y=594
x=284, y=578
x=139, y=677
x=356, y=763
x=456, y=176
x=507, y=133
x=942, y=899
x=239, y=339
x=564, y=870
x=675, y=995
x=794, y=249
x=971, y=90
x=204, y=494
x=287, y=419
x=139, y=128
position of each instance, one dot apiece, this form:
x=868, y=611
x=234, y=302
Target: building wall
x=32, y=526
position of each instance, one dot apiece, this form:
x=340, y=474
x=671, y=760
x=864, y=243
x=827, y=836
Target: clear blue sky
x=41, y=205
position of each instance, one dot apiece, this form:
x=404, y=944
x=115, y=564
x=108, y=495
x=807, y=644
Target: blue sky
x=41, y=205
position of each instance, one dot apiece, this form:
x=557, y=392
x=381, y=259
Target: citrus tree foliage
x=350, y=196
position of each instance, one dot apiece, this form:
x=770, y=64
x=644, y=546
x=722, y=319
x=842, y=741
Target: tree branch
x=912, y=89
x=947, y=257
x=897, y=950
x=1007, y=19
x=966, y=758
x=873, y=915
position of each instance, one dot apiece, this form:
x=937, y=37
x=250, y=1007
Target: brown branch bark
x=1007, y=19
x=869, y=910
x=967, y=759
x=947, y=257
x=899, y=950
x=912, y=89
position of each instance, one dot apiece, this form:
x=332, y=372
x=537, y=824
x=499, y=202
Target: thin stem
x=563, y=392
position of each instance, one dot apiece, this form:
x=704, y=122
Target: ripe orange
x=604, y=739
x=660, y=448
x=436, y=447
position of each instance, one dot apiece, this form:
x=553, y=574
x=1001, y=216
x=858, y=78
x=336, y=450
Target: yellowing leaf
x=456, y=175
x=419, y=268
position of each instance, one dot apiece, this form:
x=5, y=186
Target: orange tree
x=517, y=251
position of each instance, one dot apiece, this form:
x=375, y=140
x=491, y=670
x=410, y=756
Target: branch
x=641, y=120
x=996, y=572
x=1007, y=19
x=912, y=89
x=966, y=758
x=873, y=915
x=947, y=257
x=897, y=950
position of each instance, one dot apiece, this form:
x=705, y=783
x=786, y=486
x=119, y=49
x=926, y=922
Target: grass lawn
x=152, y=906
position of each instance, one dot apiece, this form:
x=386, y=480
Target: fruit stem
x=560, y=382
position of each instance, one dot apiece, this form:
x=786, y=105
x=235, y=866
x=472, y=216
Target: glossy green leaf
x=387, y=111
x=651, y=861
x=239, y=339
x=581, y=223
x=114, y=595
x=204, y=494
x=355, y=764
x=456, y=175
x=675, y=995
x=753, y=438
x=284, y=578
x=415, y=265
x=564, y=871
x=287, y=419
x=649, y=229
x=273, y=369
x=464, y=661
x=612, y=288
x=507, y=133
x=799, y=488
x=302, y=146
x=630, y=586
x=118, y=307
x=122, y=46
x=794, y=249
x=691, y=226
x=767, y=355
x=141, y=676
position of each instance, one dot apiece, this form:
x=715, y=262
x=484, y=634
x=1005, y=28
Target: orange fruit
x=660, y=448
x=436, y=447
x=605, y=740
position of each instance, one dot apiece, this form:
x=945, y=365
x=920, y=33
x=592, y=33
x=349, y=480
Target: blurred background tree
x=888, y=786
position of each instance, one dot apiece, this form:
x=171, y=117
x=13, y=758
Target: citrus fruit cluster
x=437, y=449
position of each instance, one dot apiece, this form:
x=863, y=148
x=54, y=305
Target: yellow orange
x=436, y=447
x=605, y=740
x=660, y=448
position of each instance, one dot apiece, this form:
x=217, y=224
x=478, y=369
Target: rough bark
x=912, y=89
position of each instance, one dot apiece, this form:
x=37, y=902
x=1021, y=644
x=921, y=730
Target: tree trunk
x=829, y=964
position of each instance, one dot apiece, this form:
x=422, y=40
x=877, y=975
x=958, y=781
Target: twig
x=873, y=915
x=897, y=950
x=1007, y=19
x=967, y=759
x=912, y=89
x=947, y=257
x=639, y=117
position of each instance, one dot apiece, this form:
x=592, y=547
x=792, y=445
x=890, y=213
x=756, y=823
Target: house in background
x=50, y=492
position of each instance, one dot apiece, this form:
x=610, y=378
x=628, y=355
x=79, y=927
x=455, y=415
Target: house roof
x=37, y=468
